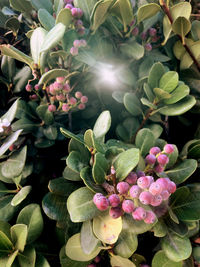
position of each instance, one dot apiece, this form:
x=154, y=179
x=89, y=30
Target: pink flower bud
x=168, y=149
x=78, y=94
x=72, y=101
x=74, y=51
x=84, y=99
x=65, y=107
x=139, y=214
x=52, y=108
x=81, y=106
x=150, y=217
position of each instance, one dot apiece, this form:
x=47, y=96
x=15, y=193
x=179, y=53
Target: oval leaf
x=21, y=195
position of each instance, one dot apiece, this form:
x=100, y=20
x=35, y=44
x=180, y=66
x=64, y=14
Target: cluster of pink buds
x=140, y=190
x=157, y=159
x=76, y=45
x=60, y=92
x=77, y=13
x=96, y=260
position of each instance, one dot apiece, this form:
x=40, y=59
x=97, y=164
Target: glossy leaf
x=21, y=195
x=179, y=93
x=175, y=247
x=53, y=37
x=126, y=162
x=19, y=235
x=14, y=164
x=8, y=261
x=44, y=114
x=52, y=74
x=147, y=11
x=32, y=217
x=102, y=124
x=9, y=141
x=74, y=251
x=160, y=260
x=87, y=7
x=76, y=162
x=99, y=168
x=161, y=94
x=80, y=205
x=5, y=242
x=21, y=5
x=45, y=4
x=28, y=257
x=6, y=210
x=71, y=175
x=89, y=242
x=172, y=158
x=46, y=19
x=36, y=41
x=159, y=229
x=64, y=17
x=180, y=107
x=127, y=128
x=54, y=206
x=121, y=262
x=106, y=228
x=11, y=51
x=126, y=244
x=144, y=140
x=155, y=74
x=181, y=26
x=186, y=204
x=133, y=50
x=132, y=104
x=100, y=13
x=180, y=229
x=86, y=175
x=183, y=171
x=169, y=81
x=195, y=30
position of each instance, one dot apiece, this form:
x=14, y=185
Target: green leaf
x=76, y=162
x=135, y=227
x=181, y=26
x=45, y=4
x=41, y=261
x=21, y=5
x=185, y=204
x=160, y=229
x=15, y=164
x=196, y=254
x=132, y=104
x=64, y=17
x=102, y=124
x=126, y=162
x=127, y=128
x=145, y=139
x=180, y=107
x=69, y=134
x=11, y=113
x=50, y=132
x=74, y=251
x=32, y=217
x=21, y=195
x=8, y=67
x=186, y=60
x=126, y=244
x=156, y=130
x=11, y=51
x=180, y=229
x=100, y=13
x=36, y=41
x=161, y=260
x=13, y=24
x=106, y=228
x=92, y=142
x=133, y=50
x=175, y=247
x=54, y=206
x=89, y=242
x=21, y=78
x=179, y=93
x=86, y=175
x=99, y=168
x=25, y=124
x=71, y=175
x=6, y=210
x=169, y=81
x=155, y=74
x=5, y=242
x=44, y=114
x=8, y=261
x=46, y=19
x=87, y=7
x=80, y=205
x=28, y=257
x=53, y=37
x=182, y=9
x=195, y=30
x=172, y=158
x=75, y=145
x=19, y=234
x=121, y=262
x=61, y=186
x=67, y=262
x=147, y=103
x=51, y=75
x=147, y=11
x=58, y=5
x=9, y=141
x=183, y=171
x=161, y=94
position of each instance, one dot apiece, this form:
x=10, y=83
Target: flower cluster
x=139, y=190
x=76, y=45
x=77, y=13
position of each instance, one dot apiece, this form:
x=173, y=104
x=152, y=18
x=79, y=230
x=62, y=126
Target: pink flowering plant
x=99, y=133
